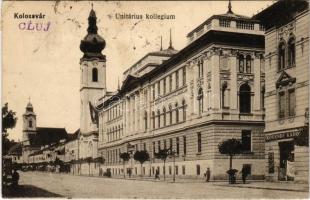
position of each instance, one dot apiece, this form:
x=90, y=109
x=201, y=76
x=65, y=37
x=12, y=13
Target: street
x=69, y=186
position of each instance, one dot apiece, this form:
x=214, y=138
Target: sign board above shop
x=284, y=135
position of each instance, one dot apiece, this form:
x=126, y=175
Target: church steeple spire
x=229, y=7
x=92, y=44
x=170, y=42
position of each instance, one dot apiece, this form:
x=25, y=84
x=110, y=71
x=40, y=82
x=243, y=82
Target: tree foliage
x=8, y=122
x=230, y=147
x=162, y=154
x=125, y=156
x=141, y=156
x=8, y=118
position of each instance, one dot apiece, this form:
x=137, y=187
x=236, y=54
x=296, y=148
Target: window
x=158, y=118
x=153, y=119
x=291, y=102
x=165, y=114
x=154, y=147
x=198, y=170
x=176, y=170
x=184, y=145
x=164, y=82
x=241, y=63
x=183, y=169
x=176, y=113
x=170, y=145
x=281, y=53
x=30, y=124
x=246, y=140
x=165, y=144
x=158, y=88
x=177, y=146
x=170, y=170
x=170, y=114
x=224, y=95
x=184, y=110
x=95, y=74
x=170, y=83
x=200, y=101
x=158, y=143
x=177, y=79
x=199, y=142
x=145, y=120
x=153, y=91
x=248, y=64
x=291, y=52
x=184, y=75
x=281, y=105
x=245, y=98
x=144, y=146
x=200, y=68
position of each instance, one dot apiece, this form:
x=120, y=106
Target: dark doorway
x=286, y=155
x=245, y=98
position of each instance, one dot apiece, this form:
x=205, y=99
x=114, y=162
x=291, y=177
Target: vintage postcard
x=155, y=99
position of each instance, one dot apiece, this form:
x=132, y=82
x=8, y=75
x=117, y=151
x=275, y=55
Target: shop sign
x=284, y=135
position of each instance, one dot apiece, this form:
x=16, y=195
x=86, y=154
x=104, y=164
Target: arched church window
x=241, y=63
x=30, y=124
x=291, y=52
x=245, y=98
x=248, y=64
x=95, y=74
x=281, y=64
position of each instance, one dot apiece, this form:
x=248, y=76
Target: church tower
x=29, y=122
x=93, y=74
x=29, y=128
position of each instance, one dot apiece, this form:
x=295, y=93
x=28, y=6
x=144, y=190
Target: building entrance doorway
x=286, y=168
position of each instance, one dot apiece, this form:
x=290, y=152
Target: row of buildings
x=238, y=77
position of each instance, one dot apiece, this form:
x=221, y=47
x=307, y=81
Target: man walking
x=208, y=174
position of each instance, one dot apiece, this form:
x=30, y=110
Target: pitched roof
x=46, y=135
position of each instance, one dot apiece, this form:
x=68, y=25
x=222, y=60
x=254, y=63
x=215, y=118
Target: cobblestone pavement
x=94, y=187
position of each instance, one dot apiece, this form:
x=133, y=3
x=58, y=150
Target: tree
x=8, y=122
x=125, y=156
x=230, y=147
x=89, y=160
x=141, y=156
x=163, y=155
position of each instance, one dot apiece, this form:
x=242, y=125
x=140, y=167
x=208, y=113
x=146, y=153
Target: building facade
x=287, y=89
x=190, y=101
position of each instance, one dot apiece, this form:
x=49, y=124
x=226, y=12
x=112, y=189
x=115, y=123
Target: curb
x=263, y=188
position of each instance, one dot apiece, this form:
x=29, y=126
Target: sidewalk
x=284, y=186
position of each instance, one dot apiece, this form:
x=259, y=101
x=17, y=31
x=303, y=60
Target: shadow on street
x=26, y=191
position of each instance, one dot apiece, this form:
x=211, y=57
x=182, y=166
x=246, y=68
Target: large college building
x=287, y=89
x=189, y=100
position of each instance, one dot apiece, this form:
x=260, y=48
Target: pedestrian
x=244, y=172
x=156, y=174
x=208, y=174
x=15, y=178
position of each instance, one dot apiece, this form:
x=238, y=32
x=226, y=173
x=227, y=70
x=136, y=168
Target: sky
x=43, y=66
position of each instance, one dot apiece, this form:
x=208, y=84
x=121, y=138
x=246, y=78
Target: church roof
x=46, y=135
